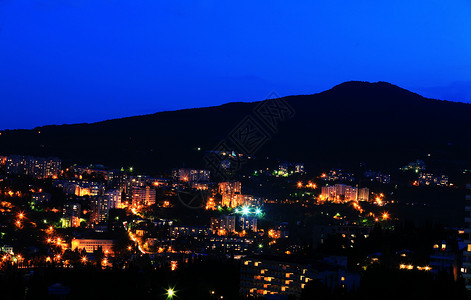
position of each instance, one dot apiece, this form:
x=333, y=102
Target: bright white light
x=245, y=210
x=258, y=211
x=170, y=293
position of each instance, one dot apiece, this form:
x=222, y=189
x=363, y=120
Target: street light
x=170, y=293
x=245, y=210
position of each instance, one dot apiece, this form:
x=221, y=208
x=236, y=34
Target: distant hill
x=377, y=123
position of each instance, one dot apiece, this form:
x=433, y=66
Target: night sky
x=83, y=61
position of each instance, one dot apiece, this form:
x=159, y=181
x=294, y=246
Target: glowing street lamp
x=245, y=210
x=170, y=293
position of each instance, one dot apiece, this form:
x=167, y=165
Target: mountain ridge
x=351, y=122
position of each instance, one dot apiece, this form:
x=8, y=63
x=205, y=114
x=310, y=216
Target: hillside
x=377, y=123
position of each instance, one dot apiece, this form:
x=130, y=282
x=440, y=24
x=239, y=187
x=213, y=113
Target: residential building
x=38, y=167
x=248, y=223
x=71, y=215
x=143, y=196
x=223, y=225
x=114, y=198
x=262, y=276
x=100, y=208
x=339, y=193
x=38, y=198
x=191, y=175
x=231, y=193
x=364, y=194
x=229, y=244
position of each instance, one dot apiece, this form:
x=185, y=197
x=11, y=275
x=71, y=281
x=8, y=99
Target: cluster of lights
x=411, y=267
x=245, y=210
x=379, y=200
x=309, y=184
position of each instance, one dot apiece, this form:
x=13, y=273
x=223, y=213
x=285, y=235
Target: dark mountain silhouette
x=377, y=123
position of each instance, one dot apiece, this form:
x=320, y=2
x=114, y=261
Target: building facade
x=91, y=245
x=38, y=167
x=71, y=215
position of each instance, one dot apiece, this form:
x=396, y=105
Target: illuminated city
x=259, y=150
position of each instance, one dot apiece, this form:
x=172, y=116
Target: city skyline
x=250, y=150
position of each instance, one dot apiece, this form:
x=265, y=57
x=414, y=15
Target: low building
x=91, y=245
x=447, y=257
x=229, y=245
x=191, y=175
x=271, y=275
x=38, y=198
x=8, y=249
x=185, y=231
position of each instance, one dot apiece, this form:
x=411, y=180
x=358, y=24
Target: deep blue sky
x=90, y=60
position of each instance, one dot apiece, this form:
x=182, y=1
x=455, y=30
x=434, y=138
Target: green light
x=131, y=169
x=260, y=246
x=258, y=211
